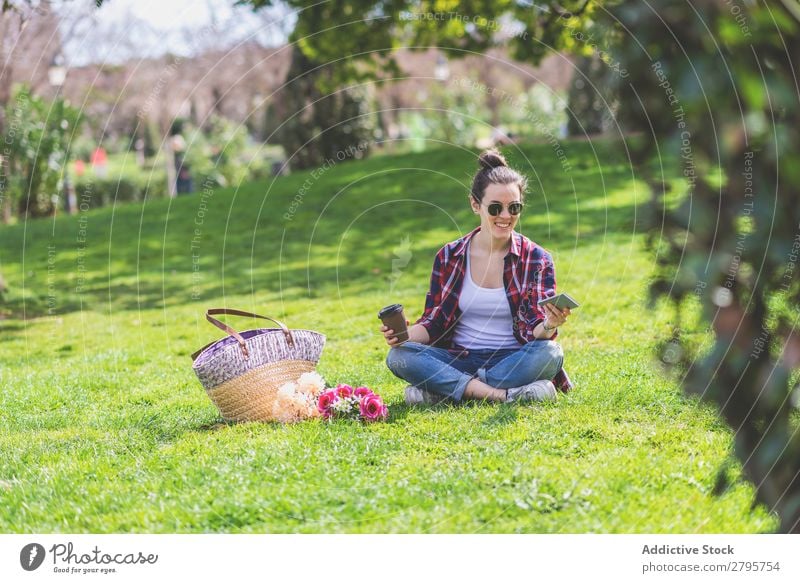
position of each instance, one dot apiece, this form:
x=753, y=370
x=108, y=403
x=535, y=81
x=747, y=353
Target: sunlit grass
x=104, y=428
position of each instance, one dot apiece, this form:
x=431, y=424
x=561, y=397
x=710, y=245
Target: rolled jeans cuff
x=461, y=386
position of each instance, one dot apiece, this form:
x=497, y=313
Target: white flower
x=342, y=405
x=287, y=390
x=292, y=405
x=311, y=382
x=284, y=407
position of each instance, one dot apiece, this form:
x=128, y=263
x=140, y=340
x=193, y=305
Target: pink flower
x=344, y=391
x=325, y=401
x=372, y=408
x=362, y=392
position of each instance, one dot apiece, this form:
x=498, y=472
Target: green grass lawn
x=104, y=427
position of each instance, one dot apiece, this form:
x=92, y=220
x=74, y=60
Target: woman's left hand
x=555, y=317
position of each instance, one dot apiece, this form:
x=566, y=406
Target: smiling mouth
x=502, y=225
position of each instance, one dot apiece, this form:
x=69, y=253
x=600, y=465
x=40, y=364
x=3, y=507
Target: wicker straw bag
x=243, y=371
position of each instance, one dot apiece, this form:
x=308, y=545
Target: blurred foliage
x=358, y=36
x=94, y=192
x=82, y=145
x=218, y=156
x=716, y=88
x=341, y=44
x=322, y=126
x=458, y=117
x=594, y=89
x=588, y=107
x=36, y=149
x=538, y=113
x=153, y=140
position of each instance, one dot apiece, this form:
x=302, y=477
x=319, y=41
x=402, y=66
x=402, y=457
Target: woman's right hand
x=388, y=334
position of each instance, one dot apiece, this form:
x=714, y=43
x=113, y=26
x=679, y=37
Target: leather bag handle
x=231, y=332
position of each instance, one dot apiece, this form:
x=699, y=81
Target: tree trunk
x=24, y=206
x=169, y=163
x=5, y=200
x=6, y=203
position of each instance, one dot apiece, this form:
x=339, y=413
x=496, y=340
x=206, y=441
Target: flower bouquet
x=345, y=402
x=298, y=400
x=307, y=397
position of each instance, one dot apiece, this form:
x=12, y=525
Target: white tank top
x=485, y=320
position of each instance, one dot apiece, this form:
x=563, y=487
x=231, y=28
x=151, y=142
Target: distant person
x=184, y=183
x=280, y=168
x=138, y=145
x=482, y=334
x=183, y=176
x=99, y=161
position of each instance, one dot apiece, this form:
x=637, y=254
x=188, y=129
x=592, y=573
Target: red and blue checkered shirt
x=528, y=276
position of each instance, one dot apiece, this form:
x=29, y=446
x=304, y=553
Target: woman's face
x=500, y=226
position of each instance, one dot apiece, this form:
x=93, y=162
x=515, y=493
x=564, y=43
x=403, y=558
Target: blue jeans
x=444, y=372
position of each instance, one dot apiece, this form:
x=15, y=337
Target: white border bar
x=416, y=558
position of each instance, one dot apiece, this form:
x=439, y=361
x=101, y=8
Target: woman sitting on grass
x=483, y=335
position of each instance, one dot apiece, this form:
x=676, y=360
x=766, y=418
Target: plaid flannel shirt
x=528, y=276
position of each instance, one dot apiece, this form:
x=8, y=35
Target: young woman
x=483, y=335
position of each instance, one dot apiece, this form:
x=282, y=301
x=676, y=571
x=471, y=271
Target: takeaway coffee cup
x=394, y=319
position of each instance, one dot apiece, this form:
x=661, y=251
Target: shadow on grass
x=7, y=327
x=346, y=234
x=359, y=263
x=504, y=415
x=216, y=425
x=399, y=412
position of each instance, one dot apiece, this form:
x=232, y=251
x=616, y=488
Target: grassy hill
x=104, y=428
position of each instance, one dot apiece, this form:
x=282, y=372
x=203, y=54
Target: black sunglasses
x=495, y=208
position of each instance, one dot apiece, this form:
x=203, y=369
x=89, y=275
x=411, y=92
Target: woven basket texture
x=244, y=388
x=224, y=360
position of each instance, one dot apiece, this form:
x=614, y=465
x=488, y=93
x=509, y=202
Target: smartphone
x=560, y=301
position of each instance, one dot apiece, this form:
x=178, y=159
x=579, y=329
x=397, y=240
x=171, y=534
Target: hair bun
x=491, y=158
